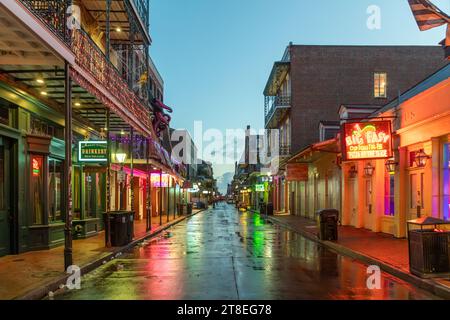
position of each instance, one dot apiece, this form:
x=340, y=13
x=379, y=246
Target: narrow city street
x=225, y=254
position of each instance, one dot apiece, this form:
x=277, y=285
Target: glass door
x=416, y=204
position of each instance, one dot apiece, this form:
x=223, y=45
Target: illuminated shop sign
x=259, y=188
x=159, y=182
x=367, y=140
x=36, y=167
x=93, y=151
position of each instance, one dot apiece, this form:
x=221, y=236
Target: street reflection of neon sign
x=36, y=167
x=367, y=140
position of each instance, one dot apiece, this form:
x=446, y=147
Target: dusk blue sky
x=215, y=56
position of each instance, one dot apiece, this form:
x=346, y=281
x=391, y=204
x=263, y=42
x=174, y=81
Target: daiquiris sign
x=367, y=140
x=93, y=151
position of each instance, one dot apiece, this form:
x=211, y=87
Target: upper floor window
x=380, y=85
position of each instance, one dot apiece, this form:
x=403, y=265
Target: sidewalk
x=380, y=249
x=32, y=275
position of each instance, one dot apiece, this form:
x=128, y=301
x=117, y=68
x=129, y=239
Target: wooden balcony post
x=160, y=197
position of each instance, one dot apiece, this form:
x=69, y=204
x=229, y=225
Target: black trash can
x=263, y=209
x=121, y=227
x=269, y=209
x=327, y=223
x=429, y=248
x=189, y=208
x=181, y=208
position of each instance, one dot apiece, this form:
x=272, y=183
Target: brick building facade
x=312, y=82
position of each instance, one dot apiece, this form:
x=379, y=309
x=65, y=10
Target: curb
x=54, y=285
x=425, y=284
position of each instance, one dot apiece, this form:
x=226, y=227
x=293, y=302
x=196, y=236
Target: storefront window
x=55, y=168
x=37, y=188
x=389, y=195
x=446, y=181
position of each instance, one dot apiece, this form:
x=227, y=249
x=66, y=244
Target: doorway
x=368, y=216
x=416, y=203
x=8, y=194
x=353, y=201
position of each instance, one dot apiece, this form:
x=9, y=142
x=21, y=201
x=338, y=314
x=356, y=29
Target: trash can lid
x=428, y=221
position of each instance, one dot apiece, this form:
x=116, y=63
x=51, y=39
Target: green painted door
x=5, y=193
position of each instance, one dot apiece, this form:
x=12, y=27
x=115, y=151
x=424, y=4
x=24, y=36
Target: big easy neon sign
x=367, y=140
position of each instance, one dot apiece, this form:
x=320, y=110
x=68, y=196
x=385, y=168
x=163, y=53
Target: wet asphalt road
x=224, y=254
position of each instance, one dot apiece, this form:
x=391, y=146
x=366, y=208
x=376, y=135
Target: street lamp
x=421, y=159
x=368, y=170
x=390, y=166
x=353, y=172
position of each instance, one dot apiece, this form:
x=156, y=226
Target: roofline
x=277, y=63
x=395, y=102
x=366, y=45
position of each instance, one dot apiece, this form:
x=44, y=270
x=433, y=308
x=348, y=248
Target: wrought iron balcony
x=278, y=106
x=92, y=59
x=285, y=150
x=142, y=7
x=54, y=14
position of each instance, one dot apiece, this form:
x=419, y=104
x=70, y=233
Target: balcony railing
x=277, y=102
x=92, y=59
x=143, y=11
x=285, y=150
x=54, y=14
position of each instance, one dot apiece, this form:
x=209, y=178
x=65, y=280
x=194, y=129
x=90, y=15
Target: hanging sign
x=93, y=151
x=296, y=172
x=367, y=140
x=260, y=188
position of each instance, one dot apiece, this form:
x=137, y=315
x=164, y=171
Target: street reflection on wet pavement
x=225, y=254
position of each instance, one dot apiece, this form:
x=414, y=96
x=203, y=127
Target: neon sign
x=260, y=188
x=36, y=167
x=367, y=140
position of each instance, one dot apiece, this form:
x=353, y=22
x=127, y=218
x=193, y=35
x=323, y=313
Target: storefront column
x=108, y=180
x=148, y=190
x=345, y=205
x=160, y=197
x=68, y=259
x=436, y=200
x=359, y=221
x=378, y=194
x=401, y=192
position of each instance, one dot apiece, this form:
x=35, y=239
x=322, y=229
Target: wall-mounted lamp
x=353, y=172
x=121, y=157
x=421, y=159
x=390, y=166
x=368, y=170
